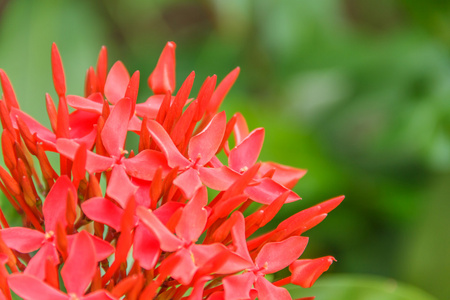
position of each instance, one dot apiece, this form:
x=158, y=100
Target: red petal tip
x=58, y=72
x=162, y=78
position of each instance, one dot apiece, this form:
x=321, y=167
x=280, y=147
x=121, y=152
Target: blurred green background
x=355, y=91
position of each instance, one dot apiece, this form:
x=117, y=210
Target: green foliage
x=360, y=287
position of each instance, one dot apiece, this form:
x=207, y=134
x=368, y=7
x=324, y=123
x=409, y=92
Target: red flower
x=149, y=206
x=26, y=240
x=77, y=273
x=189, y=257
x=242, y=157
x=201, y=149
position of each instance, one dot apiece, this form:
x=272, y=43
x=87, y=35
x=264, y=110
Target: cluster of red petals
x=169, y=220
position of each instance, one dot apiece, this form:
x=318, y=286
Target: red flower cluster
x=115, y=224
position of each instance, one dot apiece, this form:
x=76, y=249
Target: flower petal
x=181, y=99
x=194, y=217
x=306, y=271
x=219, y=179
x=162, y=78
x=102, y=68
x=120, y=187
x=277, y=256
x=300, y=219
x=98, y=295
x=54, y=210
x=146, y=248
x=67, y=147
x=188, y=182
x=198, y=288
x=268, y=291
x=81, y=124
x=8, y=92
x=144, y=165
x=165, y=212
x=102, y=248
x=94, y=162
x=79, y=164
x=135, y=124
x=150, y=107
x=22, y=239
x=104, y=211
x=59, y=80
x=180, y=266
x=116, y=82
x=115, y=130
x=222, y=90
x=97, y=163
x=204, y=96
x=30, y=287
x=182, y=130
x=284, y=175
x=141, y=196
x=165, y=143
x=238, y=286
x=239, y=238
x=268, y=190
x=84, y=104
x=44, y=135
x=36, y=266
x=132, y=90
x=216, y=258
x=245, y=154
x=240, y=129
x=205, y=144
x=167, y=240
x=217, y=296
x=80, y=265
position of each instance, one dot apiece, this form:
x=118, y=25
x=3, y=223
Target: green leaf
x=359, y=287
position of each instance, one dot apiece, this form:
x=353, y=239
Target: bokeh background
x=355, y=91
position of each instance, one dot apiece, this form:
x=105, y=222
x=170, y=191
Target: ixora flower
x=153, y=232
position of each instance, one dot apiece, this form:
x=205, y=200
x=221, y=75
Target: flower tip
x=55, y=50
x=102, y=68
x=305, y=272
x=162, y=79
x=8, y=91
x=339, y=199
x=171, y=45
x=59, y=80
x=132, y=90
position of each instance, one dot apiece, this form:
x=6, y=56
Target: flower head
x=152, y=231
